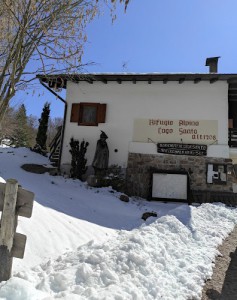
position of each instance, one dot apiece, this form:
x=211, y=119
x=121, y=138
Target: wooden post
x=8, y=228
x=14, y=202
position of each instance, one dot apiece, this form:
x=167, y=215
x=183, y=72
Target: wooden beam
x=104, y=80
x=232, y=92
x=212, y=80
x=89, y=81
x=19, y=244
x=232, y=97
x=181, y=80
x=8, y=228
x=232, y=86
x=60, y=83
x=24, y=203
x=197, y=80
x=52, y=84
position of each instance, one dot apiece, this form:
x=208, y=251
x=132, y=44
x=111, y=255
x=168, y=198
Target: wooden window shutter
x=75, y=112
x=101, y=113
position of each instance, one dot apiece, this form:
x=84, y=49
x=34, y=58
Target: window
x=88, y=114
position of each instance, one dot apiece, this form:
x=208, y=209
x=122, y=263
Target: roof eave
x=60, y=80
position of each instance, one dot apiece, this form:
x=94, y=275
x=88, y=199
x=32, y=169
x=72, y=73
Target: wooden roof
x=60, y=80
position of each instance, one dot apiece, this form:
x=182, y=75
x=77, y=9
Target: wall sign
x=175, y=131
x=182, y=149
x=170, y=185
x=217, y=173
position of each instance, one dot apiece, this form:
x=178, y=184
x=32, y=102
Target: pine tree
x=21, y=136
x=41, y=137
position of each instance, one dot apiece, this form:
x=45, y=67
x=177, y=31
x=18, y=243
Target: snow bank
x=165, y=258
x=162, y=260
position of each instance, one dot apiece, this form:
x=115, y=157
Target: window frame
x=77, y=113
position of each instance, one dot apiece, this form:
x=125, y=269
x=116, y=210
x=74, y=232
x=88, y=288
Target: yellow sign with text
x=176, y=131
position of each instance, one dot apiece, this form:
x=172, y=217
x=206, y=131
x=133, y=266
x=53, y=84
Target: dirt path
x=223, y=284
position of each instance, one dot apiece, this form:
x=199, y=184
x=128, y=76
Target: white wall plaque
x=169, y=186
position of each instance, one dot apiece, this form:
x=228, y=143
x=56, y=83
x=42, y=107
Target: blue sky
x=155, y=36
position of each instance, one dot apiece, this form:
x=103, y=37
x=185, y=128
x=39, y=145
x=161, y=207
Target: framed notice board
x=170, y=185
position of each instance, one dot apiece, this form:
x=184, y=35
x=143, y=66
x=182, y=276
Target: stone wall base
x=141, y=166
x=211, y=197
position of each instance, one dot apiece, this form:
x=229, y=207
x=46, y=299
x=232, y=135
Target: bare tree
x=9, y=125
x=48, y=32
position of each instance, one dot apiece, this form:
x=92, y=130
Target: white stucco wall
x=128, y=101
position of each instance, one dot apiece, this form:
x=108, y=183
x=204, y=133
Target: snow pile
x=163, y=260
x=84, y=243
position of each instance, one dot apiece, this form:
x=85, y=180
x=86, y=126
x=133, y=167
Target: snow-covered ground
x=84, y=243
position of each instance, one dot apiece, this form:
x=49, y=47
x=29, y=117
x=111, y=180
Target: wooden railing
x=232, y=137
x=55, y=143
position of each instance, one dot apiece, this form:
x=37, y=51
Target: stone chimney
x=212, y=62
